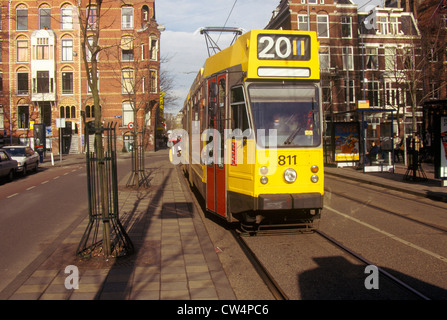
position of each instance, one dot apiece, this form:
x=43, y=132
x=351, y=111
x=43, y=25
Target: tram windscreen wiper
x=293, y=135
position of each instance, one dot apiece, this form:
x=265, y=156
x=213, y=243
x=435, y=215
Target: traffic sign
x=130, y=125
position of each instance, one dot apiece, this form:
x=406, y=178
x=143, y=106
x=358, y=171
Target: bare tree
x=90, y=15
x=132, y=80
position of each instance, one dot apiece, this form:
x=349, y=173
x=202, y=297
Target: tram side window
x=239, y=118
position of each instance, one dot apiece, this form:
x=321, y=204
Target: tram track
x=387, y=210
x=277, y=292
x=367, y=262
x=274, y=281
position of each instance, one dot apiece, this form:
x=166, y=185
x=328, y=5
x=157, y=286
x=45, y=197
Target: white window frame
x=349, y=52
x=371, y=52
x=321, y=24
x=346, y=21
x=153, y=84
x=128, y=114
x=382, y=22
x=153, y=50
x=66, y=51
x=67, y=18
x=303, y=21
x=325, y=58
x=127, y=83
x=127, y=24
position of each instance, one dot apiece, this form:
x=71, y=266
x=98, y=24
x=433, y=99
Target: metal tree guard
x=138, y=177
x=120, y=243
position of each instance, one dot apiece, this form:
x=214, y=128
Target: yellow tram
x=252, y=131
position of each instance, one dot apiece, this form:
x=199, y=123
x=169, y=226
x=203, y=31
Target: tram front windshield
x=291, y=111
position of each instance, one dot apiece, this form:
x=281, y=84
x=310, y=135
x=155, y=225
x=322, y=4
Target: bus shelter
x=434, y=134
x=363, y=138
x=377, y=127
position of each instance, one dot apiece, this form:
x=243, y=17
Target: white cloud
x=185, y=48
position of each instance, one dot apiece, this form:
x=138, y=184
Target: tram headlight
x=314, y=178
x=314, y=169
x=264, y=170
x=290, y=175
x=264, y=179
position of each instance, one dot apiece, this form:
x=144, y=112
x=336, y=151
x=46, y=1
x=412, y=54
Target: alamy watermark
x=233, y=142
x=72, y=280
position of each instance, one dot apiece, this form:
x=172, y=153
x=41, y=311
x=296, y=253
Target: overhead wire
x=228, y=17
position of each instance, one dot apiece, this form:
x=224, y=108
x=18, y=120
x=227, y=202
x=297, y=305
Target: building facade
x=44, y=78
x=372, y=56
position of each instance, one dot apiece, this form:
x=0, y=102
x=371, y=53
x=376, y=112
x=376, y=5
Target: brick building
x=43, y=77
x=363, y=56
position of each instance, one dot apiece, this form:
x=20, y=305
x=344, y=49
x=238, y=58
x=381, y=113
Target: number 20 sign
x=283, y=47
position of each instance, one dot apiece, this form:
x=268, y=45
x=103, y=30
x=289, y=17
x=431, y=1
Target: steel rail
x=268, y=279
x=364, y=260
x=397, y=214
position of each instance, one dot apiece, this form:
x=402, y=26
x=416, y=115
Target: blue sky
x=184, y=47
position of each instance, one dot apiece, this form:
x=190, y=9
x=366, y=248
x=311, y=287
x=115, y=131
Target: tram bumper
x=292, y=201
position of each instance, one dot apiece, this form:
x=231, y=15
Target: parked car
x=27, y=159
x=8, y=166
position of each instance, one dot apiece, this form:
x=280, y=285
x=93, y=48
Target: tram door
x=216, y=197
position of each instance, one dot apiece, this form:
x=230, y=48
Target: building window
x=153, y=81
x=67, y=50
x=45, y=18
x=128, y=114
x=351, y=85
x=22, y=50
x=390, y=59
x=67, y=82
x=127, y=49
x=435, y=90
x=67, y=112
x=144, y=13
x=383, y=25
x=346, y=27
x=394, y=25
x=373, y=93
x=43, y=82
x=2, y=123
x=154, y=49
x=22, y=83
x=89, y=111
x=126, y=18
x=88, y=53
x=323, y=26
x=42, y=49
x=91, y=18
x=432, y=55
x=372, y=62
x=127, y=81
x=325, y=62
x=21, y=19
x=302, y=22
x=67, y=19
x=22, y=117
x=348, y=58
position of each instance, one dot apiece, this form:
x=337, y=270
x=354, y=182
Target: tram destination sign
x=283, y=47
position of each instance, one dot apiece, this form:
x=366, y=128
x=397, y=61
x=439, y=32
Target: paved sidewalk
x=174, y=257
